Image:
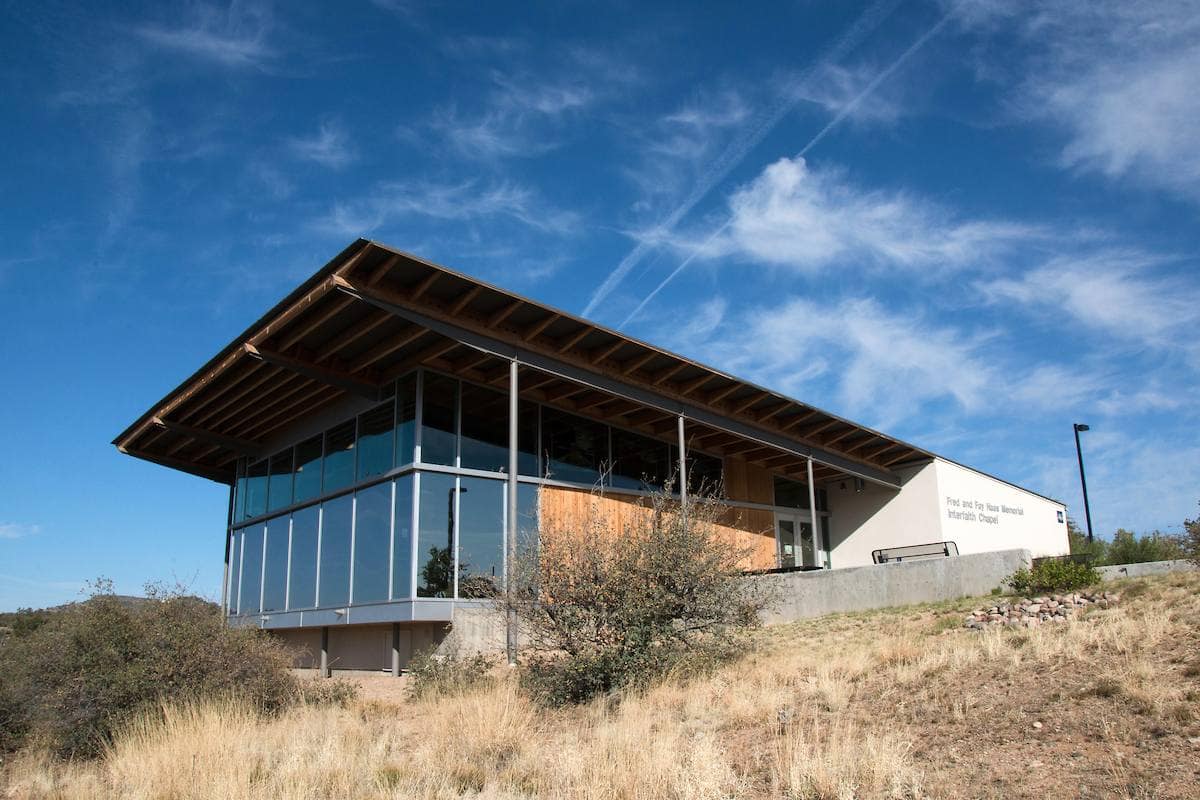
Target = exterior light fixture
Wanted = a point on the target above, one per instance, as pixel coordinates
(1079, 428)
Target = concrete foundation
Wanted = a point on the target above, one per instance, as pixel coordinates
(1115, 571)
(801, 595)
(362, 647)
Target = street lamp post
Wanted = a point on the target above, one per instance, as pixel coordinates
(1082, 479)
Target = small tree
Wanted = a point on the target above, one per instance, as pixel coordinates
(1191, 532)
(606, 605)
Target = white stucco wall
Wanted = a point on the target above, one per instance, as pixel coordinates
(980, 514)
(879, 517)
(942, 501)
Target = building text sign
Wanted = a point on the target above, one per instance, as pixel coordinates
(968, 509)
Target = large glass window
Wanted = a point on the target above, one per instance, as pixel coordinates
(402, 540)
(276, 567)
(302, 584)
(336, 517)
(339, 457)
(279, 489)
(372, 537)
(252, 559)
(406, 418)
(256, 490)
(639, 462)
(527, 438)
(437, 419)
(239, 493)
(480, 537)
(435, 536)
(527, 521)
(308, 469)
(794, 494)
(235, 573)
(375, 440)
(704, 472)
(576, 448)
(484, 429)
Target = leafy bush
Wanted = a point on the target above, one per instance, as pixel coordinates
(605, 607)
(432, 674)
(69, 683)
(1191, 528)
(1128, 548)
(1053, 576)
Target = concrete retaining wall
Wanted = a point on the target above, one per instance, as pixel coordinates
(1115, 571)
(801, 595)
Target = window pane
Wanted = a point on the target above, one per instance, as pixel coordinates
(239, 495)
(372, 537)
(527, 438)
(375, 435)
(335, 552)
(235, 564)
(406, 419)
(576, 448)
(279, 494)
(484, 429)
(434, 539)
(639, 462)
(251, 570)
(302, 586)
(480, 537)
(704, 472)
(437, 420)
(275, 575)
(339, 457)
(402, 540)
(527, 520)
(256, 490)
(308, 469)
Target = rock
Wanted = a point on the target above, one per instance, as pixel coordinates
(1033, 608)
(1102, 603)
(1037, 725)
(1113, 597)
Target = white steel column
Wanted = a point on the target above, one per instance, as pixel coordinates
(510, 533)
(683, 498)
(812, 507)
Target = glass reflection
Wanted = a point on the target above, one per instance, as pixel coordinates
(302, 585)
(484, 443)
(307, 484)
(576, 448)
(639, 462)
(336, 518)
(406, 418)
(274, 596)
(372, 538)
(402, 540)
(480, 537)
(235, 572)
(279, 484)
(435, 535)
(252, 559)
(256, 490)
(375, 441)
(339, 457)
(437, 419)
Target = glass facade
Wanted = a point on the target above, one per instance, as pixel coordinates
(794, 494)
(339, 518)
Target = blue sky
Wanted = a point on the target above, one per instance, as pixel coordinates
(969, 224)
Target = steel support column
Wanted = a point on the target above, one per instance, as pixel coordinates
(683, 498)
(816, 518)
(325, 652)
(395, 649)
(510, 537)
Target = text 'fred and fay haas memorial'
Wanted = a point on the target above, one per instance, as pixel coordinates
(391, 428)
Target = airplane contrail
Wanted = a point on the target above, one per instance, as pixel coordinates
(738, 149)
(838, 118)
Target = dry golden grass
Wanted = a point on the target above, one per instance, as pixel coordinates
(894, 704)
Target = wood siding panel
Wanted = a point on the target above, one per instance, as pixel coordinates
(560, 509)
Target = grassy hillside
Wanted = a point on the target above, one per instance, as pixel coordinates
(903, 703)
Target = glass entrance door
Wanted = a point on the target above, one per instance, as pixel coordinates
(794, 541)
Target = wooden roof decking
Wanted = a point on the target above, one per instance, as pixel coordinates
(373, 313)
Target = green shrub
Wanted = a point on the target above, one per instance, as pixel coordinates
(605, 608)
(1128, 548)
(1053, 576)
(432, 674)
(69, 683)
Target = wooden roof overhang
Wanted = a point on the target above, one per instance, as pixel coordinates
(373, 313)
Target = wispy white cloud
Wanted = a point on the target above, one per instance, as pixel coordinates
(806, 219)
(1116, 78)
(232, 37)
(838, 86)
(466, 200)
(329, 146)
(18, 530)
(1120, 293)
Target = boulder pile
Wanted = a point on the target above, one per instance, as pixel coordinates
(1028, 613)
